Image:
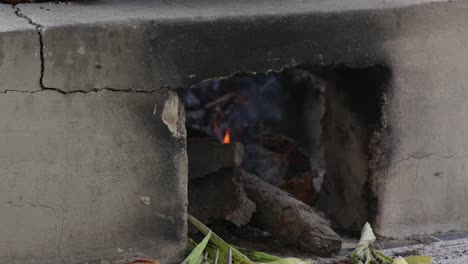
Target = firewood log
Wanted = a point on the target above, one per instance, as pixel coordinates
(207, 157)
(220, 196)
(278, 213)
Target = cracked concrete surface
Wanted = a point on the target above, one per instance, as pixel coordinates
(424, 186)
(9, 21)
(84, 86)
(453, 251)
(48, 207)
(19, 66)
(75, 56)
(38, 28)
(77, 160)
(114, 10)
(75, 167)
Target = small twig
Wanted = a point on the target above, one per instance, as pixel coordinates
(221, 99)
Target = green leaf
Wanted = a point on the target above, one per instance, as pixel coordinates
(382, 257)
(419, 260)
(365, 253)
(191, 245)
(239, 256)
(196, 256)
(258, 256)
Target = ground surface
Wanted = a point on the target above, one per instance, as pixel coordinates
(445, 249)
(450, 248)
(451, 251)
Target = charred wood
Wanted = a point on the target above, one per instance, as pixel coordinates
(207, 157)
(297, 223)
(220, 196)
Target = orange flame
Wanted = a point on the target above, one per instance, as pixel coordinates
(227, 137)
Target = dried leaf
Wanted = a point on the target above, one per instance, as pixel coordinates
(419, 260)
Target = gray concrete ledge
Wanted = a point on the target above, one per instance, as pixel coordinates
(50, 15)
(79, 42)
(129, 50)
(9, 21)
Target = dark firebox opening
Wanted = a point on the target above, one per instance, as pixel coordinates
(307, 130)
(352, 129)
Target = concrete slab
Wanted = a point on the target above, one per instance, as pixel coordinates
(20, 65)
(91, 176)
(443, 252)
(63, 143)
(9, 21)
(420, 44)
(164, 43)
(51, 15)
(423, 187)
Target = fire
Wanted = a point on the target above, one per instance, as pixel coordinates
(227, 137)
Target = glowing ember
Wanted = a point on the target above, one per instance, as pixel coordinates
(227, 137)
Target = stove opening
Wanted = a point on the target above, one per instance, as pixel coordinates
(285, 154)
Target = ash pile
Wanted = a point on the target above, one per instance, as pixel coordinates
(256, 159)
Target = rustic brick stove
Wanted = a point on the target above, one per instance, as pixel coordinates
(93, 154)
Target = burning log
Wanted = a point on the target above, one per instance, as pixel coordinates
(215, 191)
(207, 157)
(297, 223)
(220, 196)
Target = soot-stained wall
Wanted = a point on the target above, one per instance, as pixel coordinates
(353, 117)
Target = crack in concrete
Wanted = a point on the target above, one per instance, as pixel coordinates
(424, 155)
(11, 203)
(93, 90)
(416, 179)
(167, 217)
(169, 157)
(59, 246)
(39, 30)
(21, 205)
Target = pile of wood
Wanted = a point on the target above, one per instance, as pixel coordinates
(220, 190)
